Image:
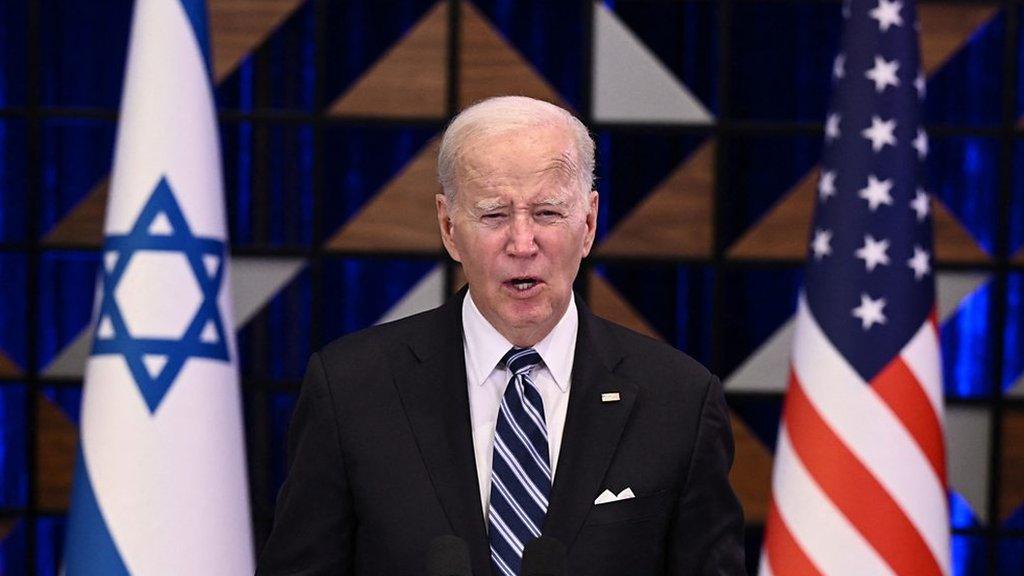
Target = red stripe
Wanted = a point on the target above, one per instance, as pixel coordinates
(898, 387)
(854, 489)
(784, 554)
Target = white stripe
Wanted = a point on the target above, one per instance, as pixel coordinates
(519, 473)
(505, 569)
(531, 410)
(533, 528)
(923, 356)
(824, 534)
(521, 434)
(507, 533)
(885, 447)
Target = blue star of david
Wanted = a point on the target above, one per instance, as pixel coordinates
(204, 337)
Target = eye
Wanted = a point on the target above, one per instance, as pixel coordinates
(492, 216)
(549, 214)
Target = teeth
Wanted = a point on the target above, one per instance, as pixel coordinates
(524, 285)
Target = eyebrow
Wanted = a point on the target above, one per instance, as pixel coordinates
(488, 204)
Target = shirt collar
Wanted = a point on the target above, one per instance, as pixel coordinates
(485, 346)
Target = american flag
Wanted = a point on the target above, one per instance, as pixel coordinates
(859, 485)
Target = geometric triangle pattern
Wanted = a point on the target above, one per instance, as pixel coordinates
(57, 441)
(237, 28)
(8, 369)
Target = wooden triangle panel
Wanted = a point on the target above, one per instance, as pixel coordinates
(676, 220)
(409, 81)
(237, 27)
(606, 302)
(1018, 258)
(83, 224)
(7, 525)
(1011, 497)
(55, 456)
(946, 28)
(783, 233)
(8, 369)
(401, 217)
(751, 474)
(489, 66)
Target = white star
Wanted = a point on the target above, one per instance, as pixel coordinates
(921, 144)
(832, 127)
(827, 185)
(880, 133)
(920, 85)
(870, 311)
(888, 14)
(920, 204)
(839, 66)
(883, 73)
(877, 192)
(822, 243)
(873, 252)
(919, 263)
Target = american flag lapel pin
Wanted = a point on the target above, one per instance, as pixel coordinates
(610, 397)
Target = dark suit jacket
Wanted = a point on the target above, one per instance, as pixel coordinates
(382, 458)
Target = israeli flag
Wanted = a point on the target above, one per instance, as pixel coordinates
(160, 484)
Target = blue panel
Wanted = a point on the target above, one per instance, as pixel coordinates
(970, 555)
(783, 54)
(268, 179)
(358, 162)
(761, 171)
(50, 532)
(281, 407)
(977, 65)
(676, 301)
(1011, 557)
(13, 445)
(67, 286)
(548, 34)
(762, 414)
(1016, 240)
(13, 60)
(684, 36)
(13, 313)
(358, 33)
(14, 552)
(967, 344)
(759, 301)
(280, 72)
(77, 156)
(961, 516)
(275, 344)
(68, 398)
(13, 180)
(1013, 334)
(964, 173)
(83, 47)
(358, 291)
(630, 165)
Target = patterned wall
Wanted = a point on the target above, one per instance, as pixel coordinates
(708, 121)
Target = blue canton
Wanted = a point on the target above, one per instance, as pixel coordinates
(204, 336)
(869, 275)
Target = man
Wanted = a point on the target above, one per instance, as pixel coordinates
(511, 411)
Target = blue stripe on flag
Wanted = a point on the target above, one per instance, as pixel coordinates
(196, 10)
(89, 547)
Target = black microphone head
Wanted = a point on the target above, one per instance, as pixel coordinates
(544, 556)
(448, 556)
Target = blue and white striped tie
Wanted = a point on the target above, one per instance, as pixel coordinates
(520, 468)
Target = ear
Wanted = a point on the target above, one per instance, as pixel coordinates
(444, 221)
(588, 239)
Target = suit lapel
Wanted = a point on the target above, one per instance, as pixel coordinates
(592, 429)
(436, 402)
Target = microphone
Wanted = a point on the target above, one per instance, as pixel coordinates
(448, 556)
(544, 556)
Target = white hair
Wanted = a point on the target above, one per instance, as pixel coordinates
(504, 114)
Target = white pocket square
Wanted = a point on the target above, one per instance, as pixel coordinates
(607, 496)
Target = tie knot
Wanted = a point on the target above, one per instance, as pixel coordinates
(520, 360)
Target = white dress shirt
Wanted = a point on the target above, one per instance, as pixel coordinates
(484, 348)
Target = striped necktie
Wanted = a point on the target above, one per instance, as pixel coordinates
(520, 468)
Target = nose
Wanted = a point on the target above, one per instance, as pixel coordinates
(521, 239)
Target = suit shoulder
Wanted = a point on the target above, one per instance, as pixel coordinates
(656, 359)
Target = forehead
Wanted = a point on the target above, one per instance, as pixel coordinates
(517, 157)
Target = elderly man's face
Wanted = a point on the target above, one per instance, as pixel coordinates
(520, 227)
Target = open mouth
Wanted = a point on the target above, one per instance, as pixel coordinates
(522, 284)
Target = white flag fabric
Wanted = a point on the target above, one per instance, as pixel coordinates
(160, 483)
